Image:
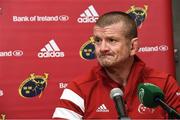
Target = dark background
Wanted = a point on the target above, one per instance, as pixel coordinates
(176, 28)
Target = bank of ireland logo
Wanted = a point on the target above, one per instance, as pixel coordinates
(87, 51)
(1, 93)
(88, 16)
(163, 48)
(138, 14)
(15, 53)
(50, 50)
(33, 86)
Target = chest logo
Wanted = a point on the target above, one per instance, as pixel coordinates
(145, 110)
(102, 108)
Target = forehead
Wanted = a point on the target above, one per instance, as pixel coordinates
(113, 29)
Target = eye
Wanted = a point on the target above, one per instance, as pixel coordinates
(97, 40)
(111, 40)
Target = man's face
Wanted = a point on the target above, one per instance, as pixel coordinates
(111, 46)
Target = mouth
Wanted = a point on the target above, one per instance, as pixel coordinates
(105, 56)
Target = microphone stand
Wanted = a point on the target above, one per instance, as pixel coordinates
(172, 114)
(120, 107)
(124, 118)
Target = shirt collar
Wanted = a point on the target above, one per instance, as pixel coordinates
(133, 79)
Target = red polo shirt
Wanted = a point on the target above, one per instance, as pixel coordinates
(87, 97)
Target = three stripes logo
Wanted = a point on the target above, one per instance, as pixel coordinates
(88, 16)
(50, 50)
(102, 108)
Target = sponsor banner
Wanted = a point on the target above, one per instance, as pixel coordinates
(145, 110)
(55, 37)
(50, 50)
(61, 18)
(11, 53)
(63, 85)
(1, 93)
(89, 15)
(33, 86)
(157, 48)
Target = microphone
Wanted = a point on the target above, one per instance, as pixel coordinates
(116, 94)
(151, 96)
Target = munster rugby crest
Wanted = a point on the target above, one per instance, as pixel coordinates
(138, 14)
(33, 86)
(87, 51)
(3, 117)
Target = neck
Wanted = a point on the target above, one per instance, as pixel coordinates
(119, 73)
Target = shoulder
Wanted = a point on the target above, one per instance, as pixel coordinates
(82, 85)
(148, 72)
(154, 73)
(159, 78)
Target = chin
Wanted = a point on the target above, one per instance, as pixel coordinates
(106, 64)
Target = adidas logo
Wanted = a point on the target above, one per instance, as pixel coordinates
(89, 16)
(50, 50)
(102, 108)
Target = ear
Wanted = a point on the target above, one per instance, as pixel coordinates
(134, 46)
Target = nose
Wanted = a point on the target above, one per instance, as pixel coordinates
(104, 46)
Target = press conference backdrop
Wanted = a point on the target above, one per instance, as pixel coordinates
(45, 44)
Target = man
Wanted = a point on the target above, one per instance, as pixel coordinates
(116, 45)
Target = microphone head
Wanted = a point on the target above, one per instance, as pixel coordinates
(147, 94)
(116, 92)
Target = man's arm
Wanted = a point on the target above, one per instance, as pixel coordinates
(71, 104)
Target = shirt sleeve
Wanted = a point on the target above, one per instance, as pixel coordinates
(172, 93)
(71, 104)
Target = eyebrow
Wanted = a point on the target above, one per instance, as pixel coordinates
(108, 37)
